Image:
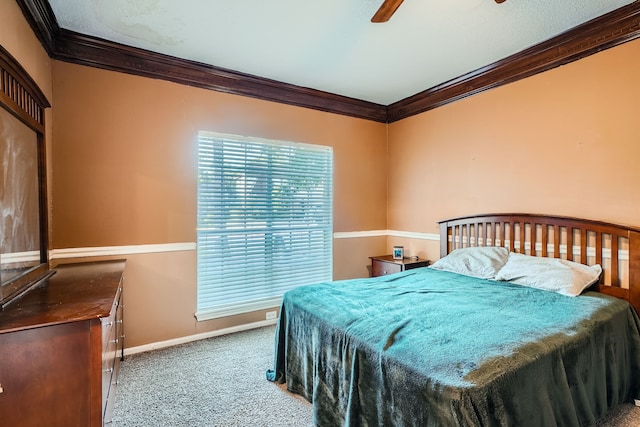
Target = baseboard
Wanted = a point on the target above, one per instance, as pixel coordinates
(183, 340)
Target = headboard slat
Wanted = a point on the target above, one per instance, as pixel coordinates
(534, 238)
(570, 243)
(598, 244)
(634, 273)
(494, 231)
(584, 236)
(615, 281)
(484, 232)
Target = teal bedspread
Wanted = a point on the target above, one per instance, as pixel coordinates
(432, 348)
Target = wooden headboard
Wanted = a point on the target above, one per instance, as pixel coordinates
(616, 248)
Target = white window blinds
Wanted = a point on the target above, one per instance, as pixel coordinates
(265, 211)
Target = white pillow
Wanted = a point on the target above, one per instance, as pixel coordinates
(477, 261)
(551, 274)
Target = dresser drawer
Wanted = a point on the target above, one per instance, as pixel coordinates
(381, 268)
(386, 264)
(108, 330)
(111, 393)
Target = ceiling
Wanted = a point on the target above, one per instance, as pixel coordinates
(331, 45)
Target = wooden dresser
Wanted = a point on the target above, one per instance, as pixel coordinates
(60, 348)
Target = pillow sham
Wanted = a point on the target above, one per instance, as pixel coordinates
(550, 274)
(477, 261)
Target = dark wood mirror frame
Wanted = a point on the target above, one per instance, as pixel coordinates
(21, 96)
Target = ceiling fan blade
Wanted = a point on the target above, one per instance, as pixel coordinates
(387, 9)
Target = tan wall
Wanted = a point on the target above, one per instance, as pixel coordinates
(126, 156)
(125, 168)
(563, 142)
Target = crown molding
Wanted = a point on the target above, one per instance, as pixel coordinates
(617, 27)
(612, 29)
(94, 52)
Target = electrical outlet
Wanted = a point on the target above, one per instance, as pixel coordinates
(272, 315)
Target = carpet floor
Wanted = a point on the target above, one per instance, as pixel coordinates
(221, 382)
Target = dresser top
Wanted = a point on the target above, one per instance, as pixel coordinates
(76, 292)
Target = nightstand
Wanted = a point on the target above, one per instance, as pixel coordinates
(385, 264)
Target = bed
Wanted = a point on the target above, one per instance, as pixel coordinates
(502, 343)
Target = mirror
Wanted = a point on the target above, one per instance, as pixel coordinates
(23, 214)
(19, 201)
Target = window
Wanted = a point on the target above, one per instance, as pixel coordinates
(265, 211)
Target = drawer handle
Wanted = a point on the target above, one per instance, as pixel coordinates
(108, 371)
(120, 321)
(1, 389)
(109, 323)
(115, 341)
